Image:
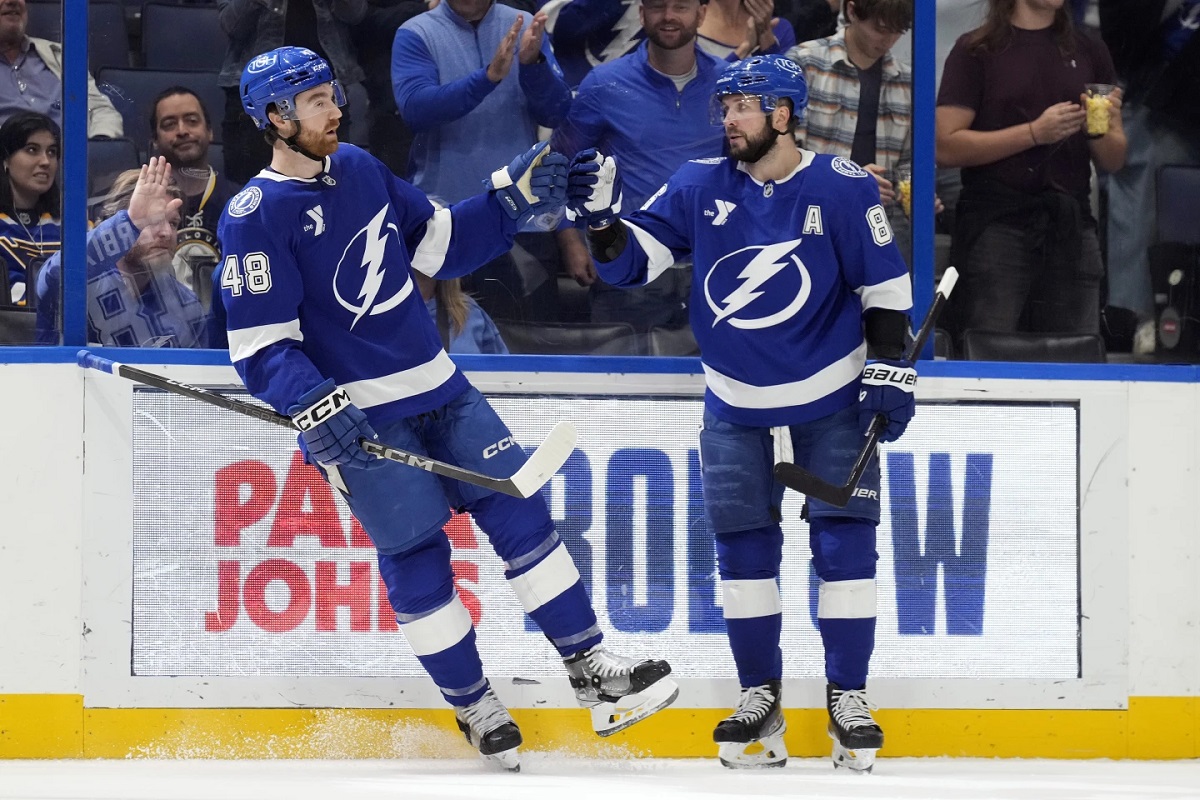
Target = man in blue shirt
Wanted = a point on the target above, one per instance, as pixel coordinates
(651, 110)
(474, 79)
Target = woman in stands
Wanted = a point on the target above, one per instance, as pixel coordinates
(30, 219)
(462, 324)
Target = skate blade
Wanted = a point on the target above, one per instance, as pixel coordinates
(766, 753)
(505, 759)
(860, 761)
(609, 718)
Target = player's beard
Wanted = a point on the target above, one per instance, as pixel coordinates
(755, 147)
(316, 142)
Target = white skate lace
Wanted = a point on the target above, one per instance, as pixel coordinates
(485, 714)
(852, 709)
(754, 703)
(607, 665)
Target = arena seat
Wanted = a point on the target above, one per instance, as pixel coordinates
(1064, 348)
(672, 342)
(163, 25)
(1176, 190)
(582, 338)
(108, 158)
(17, 325)
(108, 36)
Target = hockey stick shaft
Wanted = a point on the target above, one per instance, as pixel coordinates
(803, 481)
(539, 468)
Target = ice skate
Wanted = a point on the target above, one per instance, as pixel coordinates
(752, 736)
(856, 736)
(619, 691)
(490, 728)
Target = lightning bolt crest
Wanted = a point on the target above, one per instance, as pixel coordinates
(761, 269)
(372, 262)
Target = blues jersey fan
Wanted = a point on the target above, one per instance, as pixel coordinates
(793, 259)
(326, 324)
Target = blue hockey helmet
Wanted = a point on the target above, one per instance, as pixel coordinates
(770, 77)
(278, 76)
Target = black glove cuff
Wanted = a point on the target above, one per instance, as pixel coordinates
(886, 332)
(607, 244)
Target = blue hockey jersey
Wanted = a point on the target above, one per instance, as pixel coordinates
(316, 283)
(782, 275)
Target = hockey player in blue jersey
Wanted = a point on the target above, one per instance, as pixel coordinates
(323, 313)
(795, 274)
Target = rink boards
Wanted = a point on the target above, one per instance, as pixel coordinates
(230, 605)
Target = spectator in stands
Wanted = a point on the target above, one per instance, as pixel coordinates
(33, 78)
(1010, 113)
(181, 133)
(31, 146)
(734, 29)
(133, 297)
(860, 99)
(462, 324)
(1156, 49)
(257, 26)
(651, 110)
(474, 80)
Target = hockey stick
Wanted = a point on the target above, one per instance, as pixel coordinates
(803, 481)
(543, 463)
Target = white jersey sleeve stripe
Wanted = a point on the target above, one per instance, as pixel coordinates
(245, 342)
(431, 252)
(403, 384)
(784, 395)
(894, 294)
(658, 253)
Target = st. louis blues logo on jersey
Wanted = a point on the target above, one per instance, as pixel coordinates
(758, 287)
(361, 282)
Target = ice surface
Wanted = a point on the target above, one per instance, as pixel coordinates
(547, 776)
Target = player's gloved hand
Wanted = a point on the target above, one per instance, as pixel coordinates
(331, 426)
(534, 183)
(887, 388)
(594, 188)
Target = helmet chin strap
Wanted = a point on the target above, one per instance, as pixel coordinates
(293, 144)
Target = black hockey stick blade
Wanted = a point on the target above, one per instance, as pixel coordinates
(540, 467)
(801, 480)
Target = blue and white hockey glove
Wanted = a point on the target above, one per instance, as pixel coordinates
(594, 188)
(887, 388)
(331, 426)
(534, 183)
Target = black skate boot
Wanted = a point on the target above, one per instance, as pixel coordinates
(856, 736)
(490, 728)
(752, 736)
(619, 691)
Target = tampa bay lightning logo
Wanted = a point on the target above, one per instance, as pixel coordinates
(758, 287)
(245, 201)
(358, 281)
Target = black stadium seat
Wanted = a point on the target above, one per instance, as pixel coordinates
(108, 37)
(108, 158)
(133, 90)
(166, 25)
(1060, 348)
(17, 325)
(584, 338)
(1177, 189)
(672, 342)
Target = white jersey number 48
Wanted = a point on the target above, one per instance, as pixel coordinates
(256, 275)
(881, 230)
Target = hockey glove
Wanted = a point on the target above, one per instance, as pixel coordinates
(594, 188)
(887, 389)
(331, 426)
(534, 183)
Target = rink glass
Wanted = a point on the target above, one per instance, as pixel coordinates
(1098, 106)
(904, 190)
